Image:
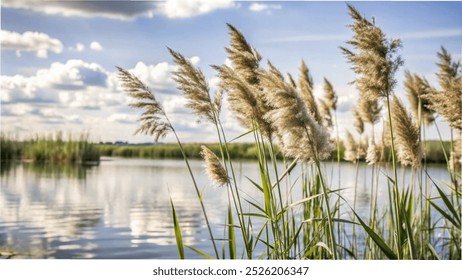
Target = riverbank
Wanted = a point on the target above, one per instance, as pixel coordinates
(50, 149)
(56, 150)
(433, 151)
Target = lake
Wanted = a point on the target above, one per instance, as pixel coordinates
(121, 208)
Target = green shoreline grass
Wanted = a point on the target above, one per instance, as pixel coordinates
(50, 150)
(247, 151)
(81, 150)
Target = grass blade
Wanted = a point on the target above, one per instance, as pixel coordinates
(448, 204)
(255, 184)
(376, 238)
(178, 237)
(242, 135)
(205, 255)
(301, 201)
(231, 234)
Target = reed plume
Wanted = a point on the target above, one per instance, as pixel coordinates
(241, 81)
(327, 104)
(353, 151)
(406, 135)
(449, 70)
(455, 160)
(416, 88)
(218, 101)
(330, 95)
(375, 60)
(191, 81)
(302, 136)
(373, 153)
(153, 119)
(305, 86)
(213, 167)
(358, 123)
(244, 58)
(291, 80)
(448, 101)
(241, 98)
(324, 112)
(368, 110)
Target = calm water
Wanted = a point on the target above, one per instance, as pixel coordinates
(121, 208)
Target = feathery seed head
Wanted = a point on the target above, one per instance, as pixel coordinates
(242, 83)
(324, 112)
(245, 59)
(291, 80)
(299, 134)
(448, 101)
(455, 161)
(353, 151)
(330, 95)
(359, 124)
(153, 120)
(406, 135)
(305, 87)
(417, 88)
(191, 81)
(213, 167)
(373, 153)
(448, 69)
(368, 110)
(375, 60)
(244, 99)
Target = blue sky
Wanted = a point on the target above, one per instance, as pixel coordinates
(58, 58)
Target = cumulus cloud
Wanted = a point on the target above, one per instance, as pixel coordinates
(37, 42)
(47, 83)
(79, 47)
(115, 9)
(96, 46)
(122, 118)
(83, 85)
(18, 109)
(77, 93)
(259, 7)
(190, 8)
(53, 116)
(121, 9)
(154, 75)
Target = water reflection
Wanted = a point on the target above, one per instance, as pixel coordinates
(121, 208)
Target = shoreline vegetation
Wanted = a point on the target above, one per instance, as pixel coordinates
(81, 151)
(50, 149)
(238, 151)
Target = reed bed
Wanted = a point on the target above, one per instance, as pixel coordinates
(50, 149)
(243, 151)
(288, 123)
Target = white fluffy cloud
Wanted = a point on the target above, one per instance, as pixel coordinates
(259, 7)
(96, 46)
(80, 95)
(37, 42)
(122, 9)
(190, 8)
(47, 83)
(158, 75)
(113, 9)
(79, 47)
(122, 118)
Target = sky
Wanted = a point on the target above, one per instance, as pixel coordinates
(59, 58)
